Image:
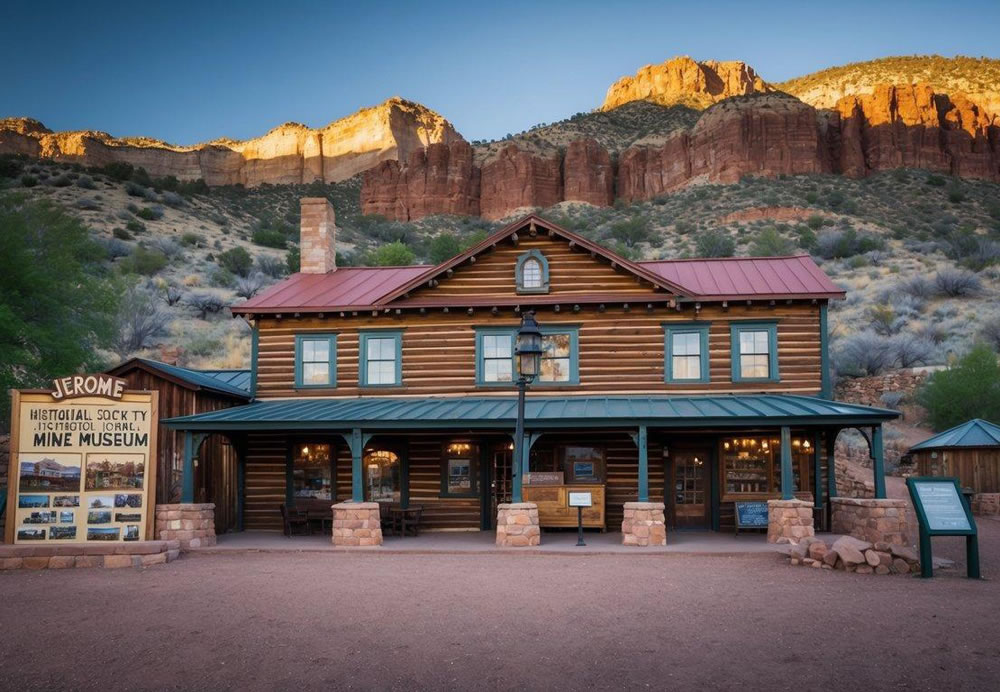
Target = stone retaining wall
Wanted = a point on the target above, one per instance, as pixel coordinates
(986, 504)
(871, 520)
(644, 524)
(110, 555)
(357, 524)
(517, 525)
(191, 524)
(789, 521)
(869, 390)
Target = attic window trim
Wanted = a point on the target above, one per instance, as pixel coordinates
(543, 264)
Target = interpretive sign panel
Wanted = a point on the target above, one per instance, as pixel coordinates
(82, 460)
(751, 515)
(580, 499)
(941, 511)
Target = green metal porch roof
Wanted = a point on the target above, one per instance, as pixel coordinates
(974, 433)
(385, 413)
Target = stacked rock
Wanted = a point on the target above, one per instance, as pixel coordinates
(854, 555)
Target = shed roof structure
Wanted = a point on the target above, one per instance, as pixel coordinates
(974, 433)
(234, 383)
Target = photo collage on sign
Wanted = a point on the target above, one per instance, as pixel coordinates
(62, 499)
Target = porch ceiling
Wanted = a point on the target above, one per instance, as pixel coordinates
(542, 412)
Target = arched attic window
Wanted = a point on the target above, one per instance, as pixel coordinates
(532, 272)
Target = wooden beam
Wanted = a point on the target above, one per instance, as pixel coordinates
(514, 239)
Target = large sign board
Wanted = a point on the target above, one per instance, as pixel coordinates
(750, 515)
(941, 511)
(82, 463)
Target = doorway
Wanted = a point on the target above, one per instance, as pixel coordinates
(499, 488)
(690, 487)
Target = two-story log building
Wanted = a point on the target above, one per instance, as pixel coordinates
(696, 382)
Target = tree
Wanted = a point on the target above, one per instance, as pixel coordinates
(970, 389)
(139, 320)
(236, 260)
(770, 243)
(715, 243)
(631, 231)
(293, 259)
(444, 246)
(56, 308)
(392, 255)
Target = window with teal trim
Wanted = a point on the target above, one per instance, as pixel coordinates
(315, 360)
(495, 362)
(686, 353)
(381, 359)
(755, 352)
(559, 356)
(494, 356)
(532, 272)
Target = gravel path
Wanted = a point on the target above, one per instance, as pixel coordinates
(347, 621)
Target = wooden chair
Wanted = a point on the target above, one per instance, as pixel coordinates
(389, 519)
(292, 517)
(410, 521)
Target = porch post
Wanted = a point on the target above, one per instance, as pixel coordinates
(817, 473)
(878, 462)
(643, 464)
(187, 476)
(831, 465)
(787, 479)
(357, 473)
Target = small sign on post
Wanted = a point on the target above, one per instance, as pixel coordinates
(580, 500)
(941, 511)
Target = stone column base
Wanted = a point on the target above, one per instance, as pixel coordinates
(875, 521)
(644, 524)
(986, 504)
(789, 521)
(517, 525)
(191, 524)
(357, 524)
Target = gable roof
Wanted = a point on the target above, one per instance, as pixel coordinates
(235, 383)
(735, 278)
(974, 433)
(373, 288)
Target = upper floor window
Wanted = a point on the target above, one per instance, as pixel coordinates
(495, 362)
(532, 272)
(755, 352)
(316, 360)
(381, 359)
(686, 352)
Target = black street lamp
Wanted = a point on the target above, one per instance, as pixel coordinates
(528, 351)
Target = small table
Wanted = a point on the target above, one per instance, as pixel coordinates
(404, 517)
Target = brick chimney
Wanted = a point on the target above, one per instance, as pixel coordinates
(317, 236)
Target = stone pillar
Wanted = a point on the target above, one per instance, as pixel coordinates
(317, 236)
(357, 524)
(874, 520)
(789, 521)
(190, 523)
(644, 524)
(517, 525)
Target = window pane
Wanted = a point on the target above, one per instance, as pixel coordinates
(387, 372)
(504, 371)
(381, 476)
(555, 370)
(754, 366)
(760, 342)
(490, 370)
(315, 373)
(311, 475)
(746, 342)
(686, 367)
(531, 274)
(687, 344)
(555, 345)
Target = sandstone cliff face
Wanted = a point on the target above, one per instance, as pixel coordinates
(684, 81)
(517, 179)
(588, 175)
(290, 153)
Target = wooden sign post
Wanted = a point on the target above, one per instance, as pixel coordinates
(941, 511)
(580, 500)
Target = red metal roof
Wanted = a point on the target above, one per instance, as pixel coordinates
(736, 278)
(347, 288)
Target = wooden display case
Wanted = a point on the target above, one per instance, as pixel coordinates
(553, 505)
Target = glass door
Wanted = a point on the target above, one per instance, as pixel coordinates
(689, 480)
(500, 486)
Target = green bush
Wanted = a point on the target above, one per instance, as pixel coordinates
(970, 389)
(631, 231)
(144, 261)
(236, 261)
(29, 180)
(293, 259)
(150, 213)
(392, 255)
(122, 234)
(770, 243)
(715, 243)
(61, 181)
(190, 238)
(268, 237)
(443, 247)
(135, 226)
(815, 222)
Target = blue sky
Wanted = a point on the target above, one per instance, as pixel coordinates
(189, 72)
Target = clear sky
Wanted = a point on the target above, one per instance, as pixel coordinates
(187, 72)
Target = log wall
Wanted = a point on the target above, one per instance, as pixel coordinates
(978, 469)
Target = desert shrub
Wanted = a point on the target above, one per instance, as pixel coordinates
(815, 222)
(268, 237)
(248, 286)
(172, 199)
(122, 234)
(190, 238)
(395, 254)
(865, 353)
(970, 389)
(145, 261)
(60, 181)
(840, 244)
(87, 204)
(443, 247)
(119, 171)
(150, 213)
(892, 399)
(909, 352)
(936, 180)
(222, 278)
(236, 260)
(770, 243)
(139, 321)
(135, 226)
(191, 280)
(86, 182)
(956, 196)
(957, 283)
(168, 246)
(206, 304)
(115, 248)
(918, 287)
(172, 295)
(271, 266)
(714, 243)
(293, 259)
(29, 180)
(630, 232)
(135, 190)
(884, 320)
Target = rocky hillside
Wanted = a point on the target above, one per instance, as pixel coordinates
(978, 79)
(288, 154)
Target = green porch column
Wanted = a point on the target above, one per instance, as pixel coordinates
(357, 473)
(878, 462)
(642, 443)
(831, 465)
(787, 479)
(817, 474)
(187, 477)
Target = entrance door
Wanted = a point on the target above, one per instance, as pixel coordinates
(690, 486)
(500, 486)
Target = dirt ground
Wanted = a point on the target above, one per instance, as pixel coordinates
(262, 621)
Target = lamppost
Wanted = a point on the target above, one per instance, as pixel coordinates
(528, 350)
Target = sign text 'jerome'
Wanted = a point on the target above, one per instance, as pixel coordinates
(88, 385)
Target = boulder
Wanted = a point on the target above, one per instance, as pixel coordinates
(900, 566)
(855, 543)
(818, 550)
(905, 552)
(831, 558)
(865, 569)
(872, 558)
(848, 553)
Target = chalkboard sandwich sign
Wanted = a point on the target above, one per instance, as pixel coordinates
(750, 515)
(941, 511)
